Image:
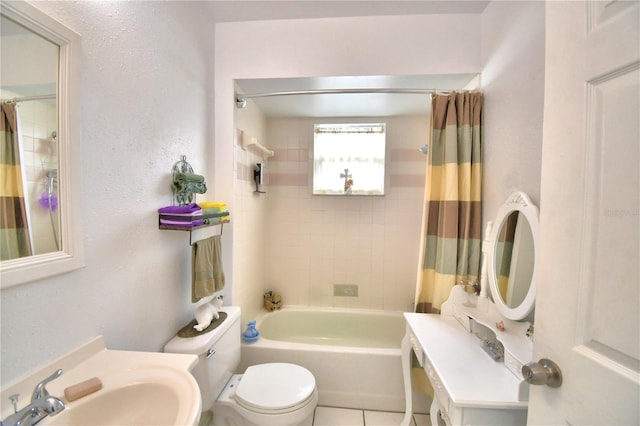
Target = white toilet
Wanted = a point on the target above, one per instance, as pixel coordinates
(266, 394)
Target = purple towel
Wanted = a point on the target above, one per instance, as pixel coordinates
(182, 224)
(192, 208)
(181, 216)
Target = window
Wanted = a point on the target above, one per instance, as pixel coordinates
(349, 159)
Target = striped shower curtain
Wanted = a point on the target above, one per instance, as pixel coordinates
(504, 249)
(14, 233)
(452, 218)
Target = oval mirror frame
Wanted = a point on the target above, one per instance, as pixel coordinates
(71, 256)
(516, 202)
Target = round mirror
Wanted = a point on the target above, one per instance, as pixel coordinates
(511, 257)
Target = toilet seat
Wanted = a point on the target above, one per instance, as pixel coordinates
(275, 388)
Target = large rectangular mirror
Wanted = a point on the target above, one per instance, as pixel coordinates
(40, 233)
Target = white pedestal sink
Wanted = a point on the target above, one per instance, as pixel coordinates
(136, 397)
(138, 388)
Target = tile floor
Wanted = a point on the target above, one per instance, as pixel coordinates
(330, 416)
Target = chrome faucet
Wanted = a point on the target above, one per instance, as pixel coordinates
(42, 405)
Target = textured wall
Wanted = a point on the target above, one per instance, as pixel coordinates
(146, 70)
(513, 84)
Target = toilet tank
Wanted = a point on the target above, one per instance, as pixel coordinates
(218, 355)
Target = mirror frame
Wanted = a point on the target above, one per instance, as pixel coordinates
(71, 257)
(517, 202)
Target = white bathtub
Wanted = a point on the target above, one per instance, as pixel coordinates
(353, 354)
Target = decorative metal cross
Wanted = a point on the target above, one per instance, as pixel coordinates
(348, 182)
(346, 176)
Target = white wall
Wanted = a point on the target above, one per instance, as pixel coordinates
(513, 85)
(318, 241)
(300, 245)
(249, 215)
(387, 45)
(146, 74)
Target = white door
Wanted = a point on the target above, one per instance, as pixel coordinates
(588, 299)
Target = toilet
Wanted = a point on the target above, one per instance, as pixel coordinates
(265, 394)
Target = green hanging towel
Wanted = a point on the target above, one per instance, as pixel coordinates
(206, 274)
(189, 183)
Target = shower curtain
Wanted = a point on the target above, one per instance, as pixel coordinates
(504, 251)
(452, 216)
(14, 233)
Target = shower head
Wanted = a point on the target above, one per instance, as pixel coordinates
(54, 136)
(424, 149)
(240, 102)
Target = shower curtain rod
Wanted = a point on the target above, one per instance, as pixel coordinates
(28, 98)
(240, 98)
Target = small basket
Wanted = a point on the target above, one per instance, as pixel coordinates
(272, 301)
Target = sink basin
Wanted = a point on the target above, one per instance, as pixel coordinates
(154, 395)
(138, 388)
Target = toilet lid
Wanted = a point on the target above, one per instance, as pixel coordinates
(275, 386)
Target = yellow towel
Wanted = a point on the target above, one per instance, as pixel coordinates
(213, 205)
(207, 275)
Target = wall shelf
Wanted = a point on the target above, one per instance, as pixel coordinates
(246, 142)
(193, 228)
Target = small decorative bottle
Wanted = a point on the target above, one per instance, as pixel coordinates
(251, 334)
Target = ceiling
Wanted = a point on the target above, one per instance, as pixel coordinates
(251, 10)
(344, 105)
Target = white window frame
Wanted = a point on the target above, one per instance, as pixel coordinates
(349, 159)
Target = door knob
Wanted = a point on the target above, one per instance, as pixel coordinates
(543, 372)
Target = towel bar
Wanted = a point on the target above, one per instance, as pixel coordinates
(190, 230)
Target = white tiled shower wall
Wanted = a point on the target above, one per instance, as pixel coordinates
(309, 243)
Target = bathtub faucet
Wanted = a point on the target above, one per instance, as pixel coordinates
(42, 405)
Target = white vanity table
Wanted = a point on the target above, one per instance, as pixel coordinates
(470, 387)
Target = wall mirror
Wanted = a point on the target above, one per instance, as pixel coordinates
(512, 255)
(40, 223)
